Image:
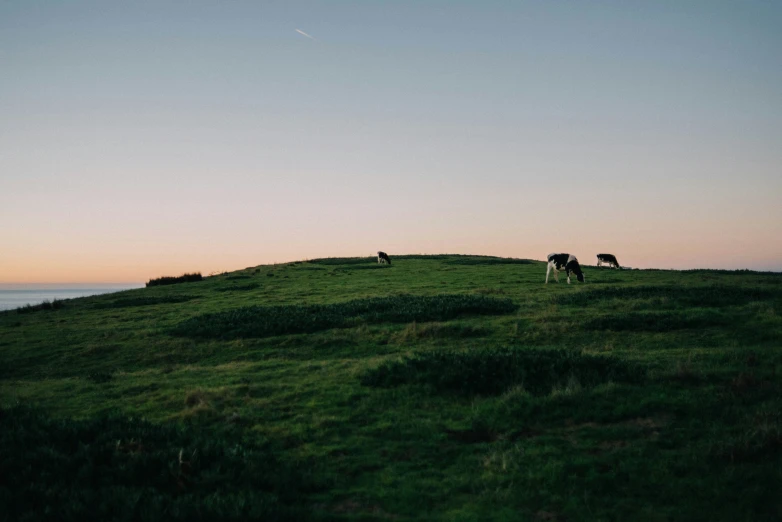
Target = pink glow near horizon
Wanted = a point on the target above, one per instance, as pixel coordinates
(136, 142)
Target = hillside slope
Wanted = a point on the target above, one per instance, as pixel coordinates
(437, 388)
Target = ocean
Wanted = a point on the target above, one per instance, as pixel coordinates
(14, 295)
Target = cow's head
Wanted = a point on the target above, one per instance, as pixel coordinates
(574, 268)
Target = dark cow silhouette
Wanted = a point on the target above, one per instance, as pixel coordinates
(608, 259)
(382, 257)
(564, 263)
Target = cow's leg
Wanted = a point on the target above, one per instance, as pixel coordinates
(599, 263)
(548, 270)
(568, 277)
(556, 275)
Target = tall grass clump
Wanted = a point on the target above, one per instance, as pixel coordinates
(128, 469)
(168, 280)
(492, 372)
(267, 321)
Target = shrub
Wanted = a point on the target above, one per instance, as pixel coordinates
(168, 280)
(491, 372)
(266, 321)
(54, 304)
(127, 469)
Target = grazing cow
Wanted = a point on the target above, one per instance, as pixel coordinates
(608, 259)
(382, 257)
(564, 262)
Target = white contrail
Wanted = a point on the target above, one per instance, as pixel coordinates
(305, 34)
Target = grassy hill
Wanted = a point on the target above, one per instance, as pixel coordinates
(437, 388)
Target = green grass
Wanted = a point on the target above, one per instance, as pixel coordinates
(491, 372)
(144, 301)
(267, 321)
(109, 468)
(439, 388)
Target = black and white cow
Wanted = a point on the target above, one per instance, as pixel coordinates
(564, 263)
(382, 257)
(608, 259)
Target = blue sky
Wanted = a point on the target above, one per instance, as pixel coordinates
(153, 136)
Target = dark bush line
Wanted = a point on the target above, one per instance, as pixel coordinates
(127, 469)
(168, 280)
(343, 260)
(266, 321)
(467, 259)
(491, 372)
(129, 302)
(738, 272)
(54, 304)
(657, 321)
(487, 260)
(704, 296)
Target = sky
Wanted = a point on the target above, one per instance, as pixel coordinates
(149, 138)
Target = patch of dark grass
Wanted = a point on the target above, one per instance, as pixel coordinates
(239, 288)
(99, 377)
(414, 331)
(54, 304)
(267, 321)
(657, 321)
(375, 266)
(115, 468)
(169, 280)
(237, 276)
(491, 372)
(759, 437)
(129, 302)
(702, 297)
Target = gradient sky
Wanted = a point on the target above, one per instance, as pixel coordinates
(140, 139)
